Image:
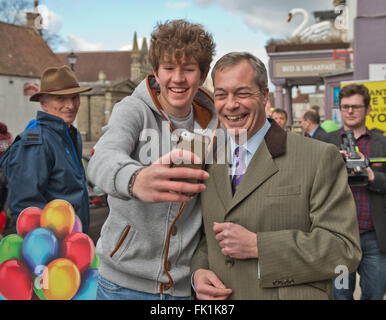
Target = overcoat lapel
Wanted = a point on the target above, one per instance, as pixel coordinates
(222, 176)
(261, 168)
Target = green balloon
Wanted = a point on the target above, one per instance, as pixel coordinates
(329, 126)
(38, 289)
(95, 262)
(10, 247)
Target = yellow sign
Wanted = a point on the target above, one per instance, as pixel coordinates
(377, 116)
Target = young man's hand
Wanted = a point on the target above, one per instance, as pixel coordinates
(155, 183)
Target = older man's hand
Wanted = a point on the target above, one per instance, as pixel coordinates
(236, 241)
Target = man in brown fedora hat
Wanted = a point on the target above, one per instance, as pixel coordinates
(44, 162)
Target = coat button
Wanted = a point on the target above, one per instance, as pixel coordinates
(229, 261)
(174, 231)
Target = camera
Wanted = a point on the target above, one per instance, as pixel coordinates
(357, 176)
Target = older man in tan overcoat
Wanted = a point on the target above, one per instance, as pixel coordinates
(280, 221)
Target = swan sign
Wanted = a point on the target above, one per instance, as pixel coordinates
(377, 116)
(317, 31)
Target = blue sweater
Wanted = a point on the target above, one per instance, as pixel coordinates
(44, 164)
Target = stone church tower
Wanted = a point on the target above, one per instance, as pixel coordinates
(140, 66)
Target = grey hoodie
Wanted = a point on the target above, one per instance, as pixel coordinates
(134, 237)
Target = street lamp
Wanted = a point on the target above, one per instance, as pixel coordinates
(72, 58)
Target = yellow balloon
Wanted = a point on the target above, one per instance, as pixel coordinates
(61, 280)
(58, 216)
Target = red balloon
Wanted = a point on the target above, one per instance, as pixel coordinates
(80, 249)
(28, 220)
(15, 280)
(3, 221)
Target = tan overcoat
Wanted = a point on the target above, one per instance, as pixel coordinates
(295, 197)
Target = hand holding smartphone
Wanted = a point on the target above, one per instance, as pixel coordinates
(196, 143)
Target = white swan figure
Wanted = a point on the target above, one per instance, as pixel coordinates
(303, 25)
(315, 32)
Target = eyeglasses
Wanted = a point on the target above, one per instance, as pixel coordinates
(354, 107)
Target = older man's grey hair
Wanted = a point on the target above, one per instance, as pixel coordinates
(233, 58)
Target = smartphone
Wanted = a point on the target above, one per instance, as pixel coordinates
(196, 143)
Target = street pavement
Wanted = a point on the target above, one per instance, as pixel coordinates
(98, 216)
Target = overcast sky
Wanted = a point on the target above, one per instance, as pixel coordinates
(266, 16)
(236, 25)
(109, 25)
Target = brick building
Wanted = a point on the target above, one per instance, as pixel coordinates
(113, 75)
(23, 57)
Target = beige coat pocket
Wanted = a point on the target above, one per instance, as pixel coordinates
(309, 291)
(285, 191)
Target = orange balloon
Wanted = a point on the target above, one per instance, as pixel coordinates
(58, 216)
(61, 280)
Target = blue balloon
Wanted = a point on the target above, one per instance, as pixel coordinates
(88, 287)
(40, 247)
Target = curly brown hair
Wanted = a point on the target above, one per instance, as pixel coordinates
(178, 39)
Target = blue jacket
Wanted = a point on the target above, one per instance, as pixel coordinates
(42, 165)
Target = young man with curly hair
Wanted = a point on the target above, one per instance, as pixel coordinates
(153, 227)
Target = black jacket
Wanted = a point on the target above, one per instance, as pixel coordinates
(320, 134)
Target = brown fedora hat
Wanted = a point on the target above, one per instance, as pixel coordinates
(58, 81)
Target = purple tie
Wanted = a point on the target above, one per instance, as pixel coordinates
(240, 153)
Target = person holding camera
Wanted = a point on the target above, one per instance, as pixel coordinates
(354, 101)
(153, 227)
(277, 225)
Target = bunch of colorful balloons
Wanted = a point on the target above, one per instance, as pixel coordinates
(49, 258)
